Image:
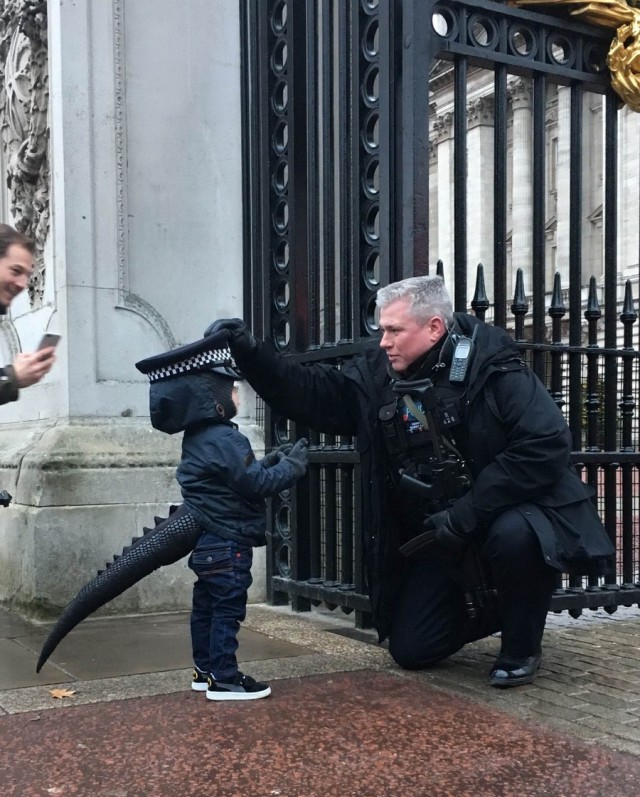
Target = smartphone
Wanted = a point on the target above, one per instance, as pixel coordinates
(48, 339)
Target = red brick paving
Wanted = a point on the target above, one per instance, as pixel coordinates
(359, 734)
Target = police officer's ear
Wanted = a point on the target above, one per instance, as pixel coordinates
(436, 327)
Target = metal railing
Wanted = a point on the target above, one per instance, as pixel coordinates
(381, 135)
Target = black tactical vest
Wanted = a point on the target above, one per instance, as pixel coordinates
(406, 440)
(426, 469)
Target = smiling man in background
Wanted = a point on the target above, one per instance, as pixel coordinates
(16, 267)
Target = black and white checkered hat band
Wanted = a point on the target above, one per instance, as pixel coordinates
(199, 362)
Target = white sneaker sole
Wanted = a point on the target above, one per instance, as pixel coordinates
(238, 695)
(199, 687)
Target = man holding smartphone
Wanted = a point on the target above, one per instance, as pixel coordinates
(16, 267)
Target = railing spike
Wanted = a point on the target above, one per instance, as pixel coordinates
(628, 314)
(557, 308)
(520, 305)
(480, 302)
(593, 308)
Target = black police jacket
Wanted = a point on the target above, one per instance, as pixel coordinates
(517, 441)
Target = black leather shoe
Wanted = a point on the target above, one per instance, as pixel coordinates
(508, 672)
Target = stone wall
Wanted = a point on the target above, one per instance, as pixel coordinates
(143, 250)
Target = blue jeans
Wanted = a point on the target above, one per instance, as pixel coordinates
(223, 568)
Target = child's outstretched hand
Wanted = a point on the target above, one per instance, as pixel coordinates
(273, 457)
(298, 457)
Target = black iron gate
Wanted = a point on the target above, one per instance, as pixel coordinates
(386, 138)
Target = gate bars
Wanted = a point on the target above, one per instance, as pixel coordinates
(386, 138)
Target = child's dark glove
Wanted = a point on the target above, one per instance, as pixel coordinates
(298, 457)
(273, 457)
(241, 341)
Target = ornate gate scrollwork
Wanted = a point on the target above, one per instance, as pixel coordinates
(624, 18)
(24, 101)
(386, 137)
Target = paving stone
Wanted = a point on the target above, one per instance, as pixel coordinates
(595, 697)
(339, 735)
(588, 686)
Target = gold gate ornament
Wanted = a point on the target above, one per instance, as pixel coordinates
(623, 58)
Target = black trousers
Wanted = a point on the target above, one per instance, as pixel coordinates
(431, 621)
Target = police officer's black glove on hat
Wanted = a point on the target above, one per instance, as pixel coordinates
(273, 457)
(241, 341)
(298, 457)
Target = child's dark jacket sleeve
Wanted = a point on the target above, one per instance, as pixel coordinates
(232, 457)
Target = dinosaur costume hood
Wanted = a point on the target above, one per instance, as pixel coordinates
(182, 402)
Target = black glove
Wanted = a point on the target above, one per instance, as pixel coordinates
(446, 533)
(273, 457)
(298, 457)
(241, 341)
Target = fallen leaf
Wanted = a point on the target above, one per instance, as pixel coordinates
(60, 693)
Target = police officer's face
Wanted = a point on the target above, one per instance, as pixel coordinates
(404, 339)
(16, 267)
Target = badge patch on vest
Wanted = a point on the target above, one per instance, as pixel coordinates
(411, 423)
(450, 414)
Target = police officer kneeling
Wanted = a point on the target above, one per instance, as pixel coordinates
(465, 462)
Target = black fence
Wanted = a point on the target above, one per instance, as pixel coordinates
(384, 138)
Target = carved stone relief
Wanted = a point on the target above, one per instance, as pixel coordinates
(480, 111)
(24, 124)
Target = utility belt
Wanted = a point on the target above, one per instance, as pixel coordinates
(477, 585)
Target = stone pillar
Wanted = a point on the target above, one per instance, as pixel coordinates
(559, 123)
(593, 188)
(522, 175)
(480, 152)
(628, 197)
(143, 251)
(434, 241)
(443, 130)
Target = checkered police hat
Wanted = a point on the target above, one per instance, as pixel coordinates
(208, 354)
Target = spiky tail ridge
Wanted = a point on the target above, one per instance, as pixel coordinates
(170, 540)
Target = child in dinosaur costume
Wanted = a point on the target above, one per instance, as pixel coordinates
(221, 519)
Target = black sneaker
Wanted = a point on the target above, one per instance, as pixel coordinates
(198, 680)
(243, 687)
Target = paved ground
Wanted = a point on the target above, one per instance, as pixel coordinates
(343, 720)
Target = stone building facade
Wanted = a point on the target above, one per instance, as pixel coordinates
(480, 154)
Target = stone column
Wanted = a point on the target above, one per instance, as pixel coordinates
(522, 176)
(434, 241)
(144, 250)
(443, 130)
(480, 152)
(559, 126)
(628, 196)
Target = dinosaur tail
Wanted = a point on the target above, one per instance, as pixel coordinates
(170, 540)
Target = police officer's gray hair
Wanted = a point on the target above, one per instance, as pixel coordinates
(427, 296)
